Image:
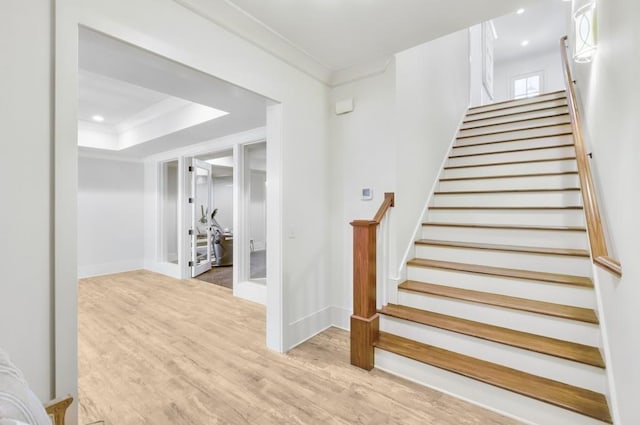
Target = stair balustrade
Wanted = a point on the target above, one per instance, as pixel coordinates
(365, 320)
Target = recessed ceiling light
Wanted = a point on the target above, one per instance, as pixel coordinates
(97, 118)
(520, 11)
(524, 43)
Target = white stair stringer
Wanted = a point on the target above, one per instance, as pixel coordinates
(505, 402)
(548, 366)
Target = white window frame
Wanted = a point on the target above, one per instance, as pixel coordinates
(512, 82)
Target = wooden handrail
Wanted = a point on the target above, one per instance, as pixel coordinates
(365, 320)
(597, 241)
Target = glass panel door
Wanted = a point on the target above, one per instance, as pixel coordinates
(200, 217)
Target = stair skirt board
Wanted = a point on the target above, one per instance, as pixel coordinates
(523, 321)
(507, 117)
(522, 408)
(544, 365)
(548, 238)
(535, 290)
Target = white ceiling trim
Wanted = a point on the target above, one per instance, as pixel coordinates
(165, 117)
(237, 21)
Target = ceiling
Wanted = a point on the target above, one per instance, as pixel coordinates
(542, 25)
(327, 37)
(141, 91)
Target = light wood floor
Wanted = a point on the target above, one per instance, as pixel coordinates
(155, 350)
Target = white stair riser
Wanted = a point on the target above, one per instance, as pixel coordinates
(513, 156)
(538, 324)
(565, 264)
(541, 112)
(556, 166)
(530, 102)
(510, 135)
(553, 103)
(521, 288)
(505, 402)
(518, 144)
(535, 182)
(569, 218)
(550, 367)
(546, 238)
(519, 199)
(513, 126)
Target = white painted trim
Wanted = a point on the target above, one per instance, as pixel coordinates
(214, 145)
(110, 268)
(309, 326)
(240, 23)
(360, 72)
(341, 318)
(402, 267)
(612, 395)
(251, 290)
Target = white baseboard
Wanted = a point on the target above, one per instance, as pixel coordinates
(109, 268)
(309, 326)
(341, 318)
(251, 291)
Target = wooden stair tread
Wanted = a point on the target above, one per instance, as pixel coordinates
(566, 145)
(503, 272)
(509, 227)
(509, 114)
(528, 161)
(540, 344)
(515, 104)
(444, 207)
(559, 114)
(479, 192)
(517, 139)
(540, 307)
(579, 400)
(507, 248)
(509, 176)
(535, 127)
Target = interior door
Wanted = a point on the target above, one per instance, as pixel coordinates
(200, 230)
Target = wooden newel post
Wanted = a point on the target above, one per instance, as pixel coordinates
(364, 321)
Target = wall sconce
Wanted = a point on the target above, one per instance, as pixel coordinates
(584, 21)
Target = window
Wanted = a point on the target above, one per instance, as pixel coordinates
(527, 86)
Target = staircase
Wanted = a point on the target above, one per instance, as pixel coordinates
(499, 305)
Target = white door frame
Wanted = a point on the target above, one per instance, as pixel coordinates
(68, 18)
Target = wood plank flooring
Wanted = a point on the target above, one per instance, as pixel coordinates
(155, 350)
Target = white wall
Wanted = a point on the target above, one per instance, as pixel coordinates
(432, 96)
(258, 209)
(110, 216)
(364, 156)
(26, 187)
(549, 62)
(608, 89)
(223, 201)
(394, 141)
